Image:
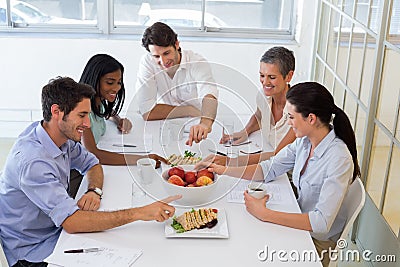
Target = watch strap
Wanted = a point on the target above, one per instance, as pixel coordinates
(95, 191)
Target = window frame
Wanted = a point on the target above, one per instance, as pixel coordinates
(105, 27)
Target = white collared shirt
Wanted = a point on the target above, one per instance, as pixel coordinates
(323, 185)
(191, 82)
(272, 132)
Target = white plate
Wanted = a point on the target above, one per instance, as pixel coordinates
(220, 230)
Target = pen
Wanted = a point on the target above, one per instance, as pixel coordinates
(216, 152)
(83, 250)
(124, 145)
(244, 143)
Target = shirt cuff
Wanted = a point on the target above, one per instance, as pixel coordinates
(265, 166)
(317, 222)
(63, 210)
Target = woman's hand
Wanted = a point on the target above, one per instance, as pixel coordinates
(237, 138)
(255, 206)
(217, 159)
(124, 125)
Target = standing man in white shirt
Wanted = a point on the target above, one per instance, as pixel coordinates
(174, 83)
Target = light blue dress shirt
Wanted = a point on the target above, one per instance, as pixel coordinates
(323, 185)
(33, 193)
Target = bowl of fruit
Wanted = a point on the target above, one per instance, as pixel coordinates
(195, 186)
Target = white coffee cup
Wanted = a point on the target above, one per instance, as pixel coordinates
(257, 190)
(146, 170)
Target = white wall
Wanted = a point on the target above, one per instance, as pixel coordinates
(27, 63)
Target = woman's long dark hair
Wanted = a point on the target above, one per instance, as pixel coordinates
(98, 66)
(312, 97)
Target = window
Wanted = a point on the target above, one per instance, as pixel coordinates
(255, 17)
(272, 14)
(46, 13)
(368, 14)
(360, 70)
(228, 18)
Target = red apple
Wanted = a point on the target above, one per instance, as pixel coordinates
(176, 180)
(176, 171)
(190, 177)
(205, 172)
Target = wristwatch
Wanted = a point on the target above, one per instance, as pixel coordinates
(97, 190)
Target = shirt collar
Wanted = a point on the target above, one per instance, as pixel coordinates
(184, 60)
(324, 144)
(284, 118)
(48, 143)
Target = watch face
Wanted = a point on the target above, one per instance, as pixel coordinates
(98, 191)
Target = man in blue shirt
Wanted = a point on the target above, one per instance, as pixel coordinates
(34, 201)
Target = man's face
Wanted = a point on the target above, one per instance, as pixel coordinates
(73, 124)
(166, 57)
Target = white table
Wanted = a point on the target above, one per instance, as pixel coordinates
(247, 235)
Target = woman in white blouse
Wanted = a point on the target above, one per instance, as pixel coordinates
(276, 71)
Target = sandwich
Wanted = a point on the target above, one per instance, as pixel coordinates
(188, 159)
(195, 219)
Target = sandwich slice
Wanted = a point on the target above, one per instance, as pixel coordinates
(195, 219)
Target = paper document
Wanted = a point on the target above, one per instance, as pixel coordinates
(120, 145)
(278, 193)
(108, 255)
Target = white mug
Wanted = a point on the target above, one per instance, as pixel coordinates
(256, 190)
(146, 170)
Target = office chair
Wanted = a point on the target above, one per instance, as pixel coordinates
(3, 260)
(352, 204)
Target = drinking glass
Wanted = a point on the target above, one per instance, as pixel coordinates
(176, 128)
(164, 134)
(228, 127)
(137, 195)
(146, 170)
(232, 154)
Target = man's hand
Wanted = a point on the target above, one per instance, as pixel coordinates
(159, 211)
(124, 125)
(158, 160)
(197, 133)
(89, 201)
(237, 138)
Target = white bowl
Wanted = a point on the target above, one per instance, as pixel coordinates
(191, 196)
